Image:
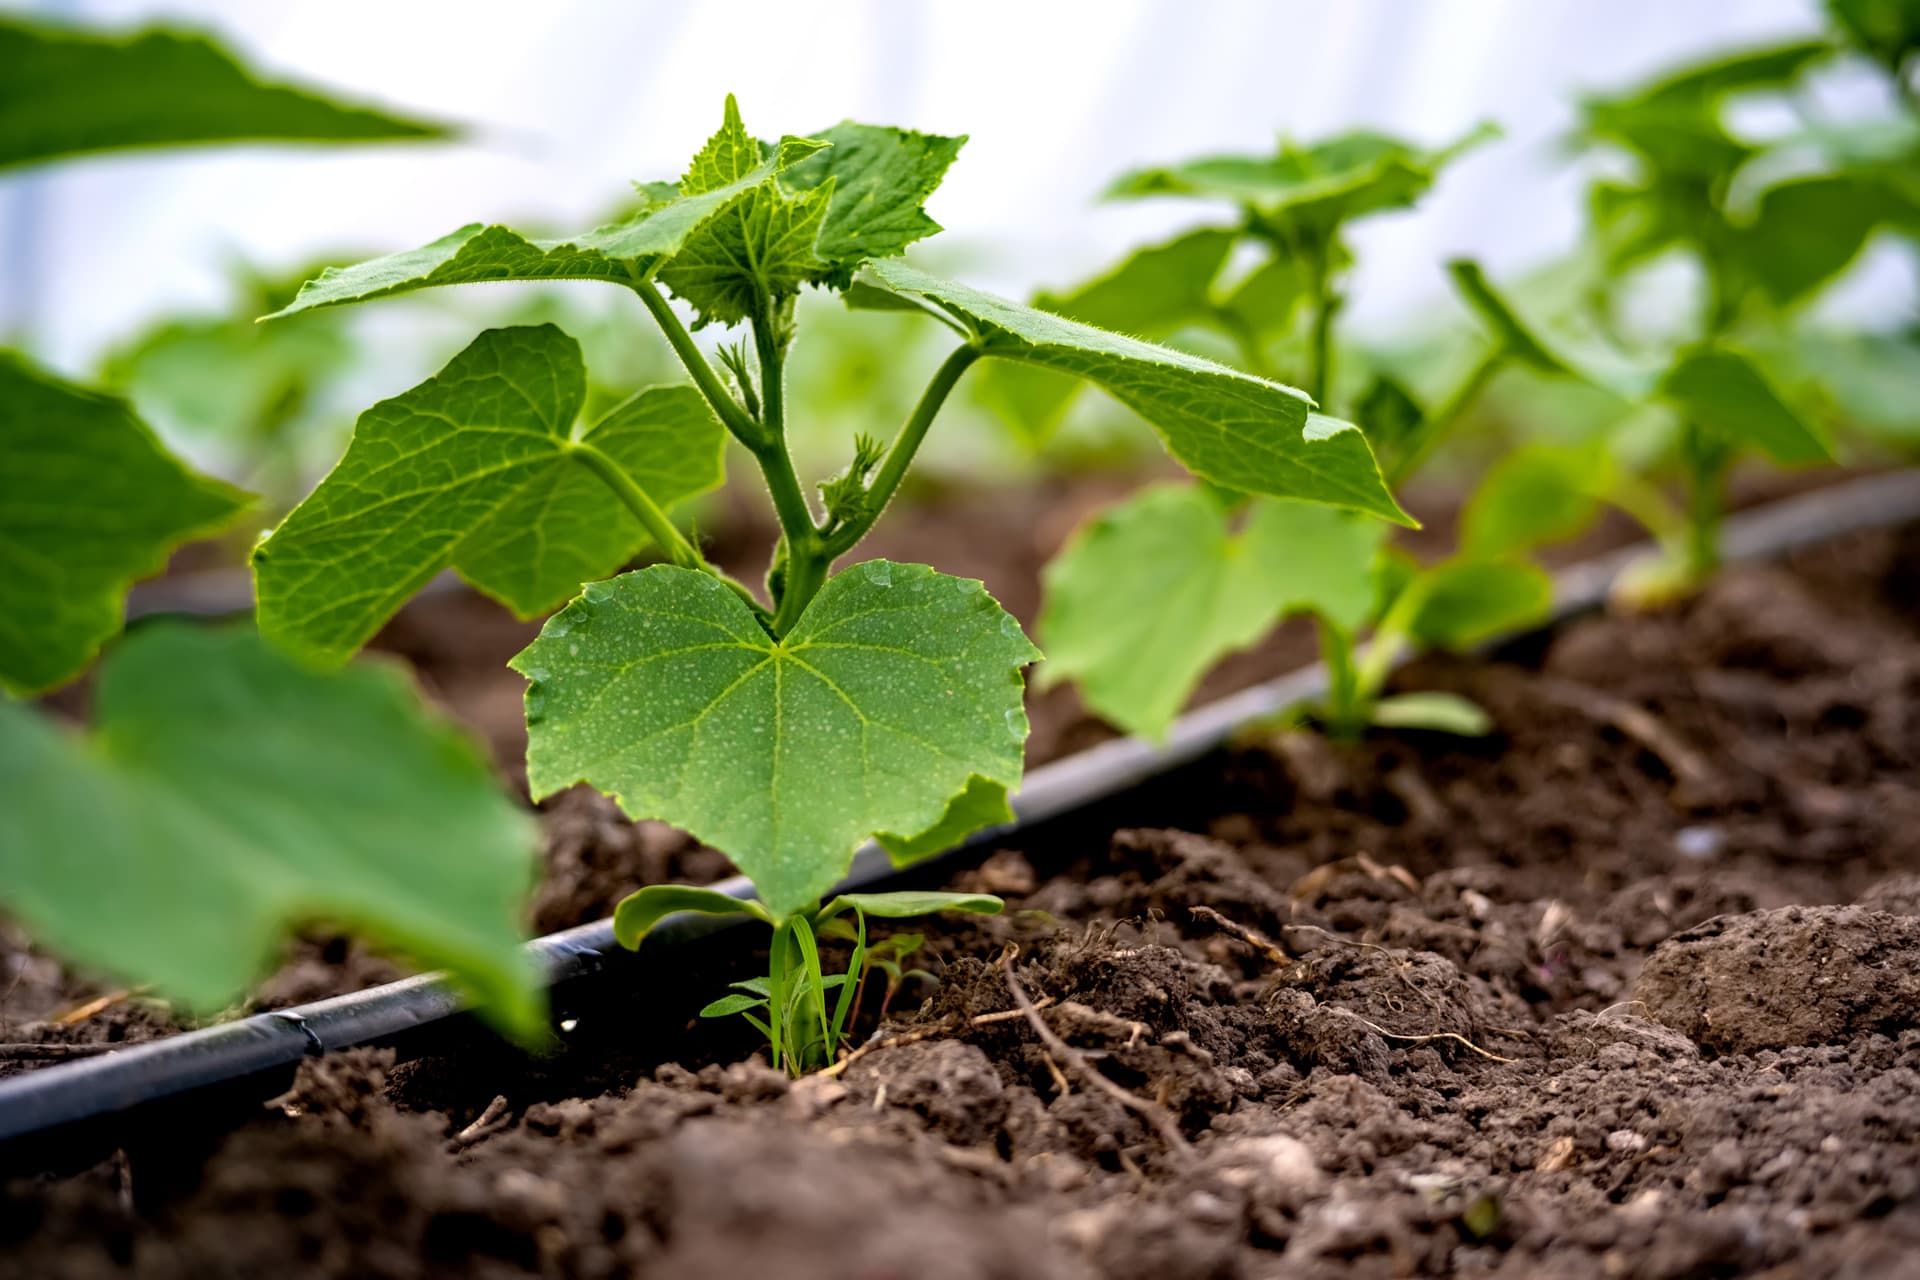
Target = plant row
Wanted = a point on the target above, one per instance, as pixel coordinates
(239, 781)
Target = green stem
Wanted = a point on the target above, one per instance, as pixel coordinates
(644, 508)
(776, 463)
(725, 407)
(1346, 716)
(1708, 462)
(806, 574)
(678, 548)
(807, 558)
(1445, 415)
(815, 980)
(1326, 305)
(777, 993)
(1644, 502)
(886, 481)
(1389, 639)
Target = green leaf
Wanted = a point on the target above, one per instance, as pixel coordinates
(1152, 294)
(898, 944)
(983, 804)
(479, 468)
(727, 1006)
(228, 795)
(896, 687)
(905, 903)
(639, 911)
(1269, 299)
(66, 92)
(1390, 416)
(1633, 223)
(620, 253)
(1768, 67)
(1434, 711)
(1213, 591)
(1532, 496)
(841, 930)
(1680, 143)
(1470, 601)
(1515, 336)
(1239, 431)
(1316, 560)
(1675, 122)
(1310, 190)
(1724, 392)
(759, 246)
(1154, 291)
(89, 504)
(258, 389)
(1872, 380)
(880, 179)
(1808, 230)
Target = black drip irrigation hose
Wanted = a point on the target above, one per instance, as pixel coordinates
(68, 1116)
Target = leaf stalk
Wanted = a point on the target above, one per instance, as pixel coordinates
(725, 407)
(645, 509)
(886, 481)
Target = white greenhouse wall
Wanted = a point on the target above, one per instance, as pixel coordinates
(574, 97)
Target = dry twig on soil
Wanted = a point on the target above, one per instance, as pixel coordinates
(1152, 1112)
(1636, 722)
(1245, 933)
(494, 1117)
(923, 1033)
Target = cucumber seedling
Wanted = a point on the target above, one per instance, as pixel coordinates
(1266, 284)
(1229, 565)
(883, 701)
(1762, 247)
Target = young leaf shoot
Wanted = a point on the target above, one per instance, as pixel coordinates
(1229, 560)
(880, 702)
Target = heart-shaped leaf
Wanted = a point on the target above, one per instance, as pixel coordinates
(480, 468)
(897, 687)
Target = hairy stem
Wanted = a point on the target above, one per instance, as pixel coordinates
(776, 463)
(725, 407)
(806, 574)
(886, 480)
(644, 508)
(807, 557)
(677, 546)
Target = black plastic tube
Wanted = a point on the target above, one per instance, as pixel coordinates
(65, 1116)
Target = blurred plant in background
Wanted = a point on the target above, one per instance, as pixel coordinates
(226, 794)
(249, 400)
(1695, 299)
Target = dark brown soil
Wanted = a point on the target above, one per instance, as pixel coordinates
(1627, 990)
